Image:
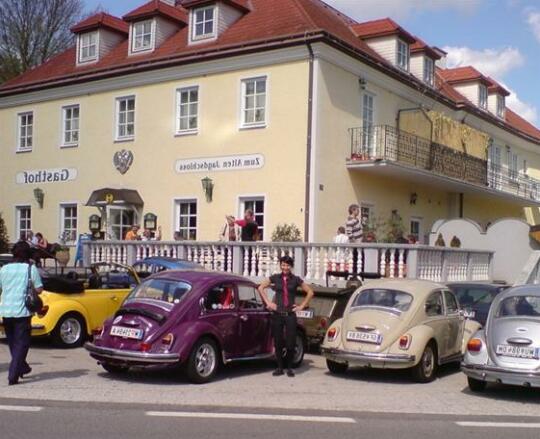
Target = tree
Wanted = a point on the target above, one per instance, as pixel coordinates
(286, 233)
(4, 238)
(32, 31)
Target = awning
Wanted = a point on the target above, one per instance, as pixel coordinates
(108, 196)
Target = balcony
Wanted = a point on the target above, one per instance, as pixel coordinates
(389, 150)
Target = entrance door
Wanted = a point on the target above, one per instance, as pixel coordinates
(120, 221)
(368, 131)
(494, 167)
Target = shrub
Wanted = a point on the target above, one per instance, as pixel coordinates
(4, 238)
(286, 233)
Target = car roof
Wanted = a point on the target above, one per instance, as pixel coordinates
(167, 262)
(198, 276)
(417, 288)
(521, 290)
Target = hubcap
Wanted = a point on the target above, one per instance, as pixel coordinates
(428, 362)
(205, 360)
(70, 331)
(298, 350)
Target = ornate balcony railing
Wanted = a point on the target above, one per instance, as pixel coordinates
(312, 261)
(388, 143)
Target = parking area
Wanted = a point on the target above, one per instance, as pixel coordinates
(71, 375)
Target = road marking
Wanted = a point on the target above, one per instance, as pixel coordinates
(258, 417)
(500, 424)
(20, 408)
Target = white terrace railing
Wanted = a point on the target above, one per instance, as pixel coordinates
(312, 261)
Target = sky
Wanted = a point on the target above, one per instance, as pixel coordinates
(501, 38)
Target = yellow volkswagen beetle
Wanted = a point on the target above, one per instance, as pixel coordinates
(73, 307)
(399, 324)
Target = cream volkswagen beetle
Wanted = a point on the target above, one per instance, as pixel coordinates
(399, 324)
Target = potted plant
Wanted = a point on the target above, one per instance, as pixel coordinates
(62, 249)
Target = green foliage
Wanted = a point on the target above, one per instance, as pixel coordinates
(286, 233)
(4, 238)
(393, 228)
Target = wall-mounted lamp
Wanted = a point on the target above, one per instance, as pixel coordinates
(362, 82)
(413, 197)
(39, 196)
(94, 223)
(150, 221)
(208, 187)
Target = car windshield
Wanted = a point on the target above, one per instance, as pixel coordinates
(161, 289)
(519, 306)
(385, 298)
(469, 296)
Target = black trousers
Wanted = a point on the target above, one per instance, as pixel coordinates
(18, 332)
(284, 333)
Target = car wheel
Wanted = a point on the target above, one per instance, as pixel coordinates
(299, 351)
(424, 371)
(114, 368)
(336, 368)
(203, 361)
(476, 385)
(70, 331)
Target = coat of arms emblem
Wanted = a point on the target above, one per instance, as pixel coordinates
(123, 160)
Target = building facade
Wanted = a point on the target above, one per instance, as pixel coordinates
(197, 109)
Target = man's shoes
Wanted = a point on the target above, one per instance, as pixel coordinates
(13, 382)
(277, 372)
(290, 373)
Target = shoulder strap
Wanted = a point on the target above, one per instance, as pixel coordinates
(29, 274)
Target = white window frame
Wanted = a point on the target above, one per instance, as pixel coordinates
(20, 126)
(193, 23)
(243, 109)
(82, 45)
(18, 210)
(110, 224)
(188, 104)
(429, 70)
(370, 207)
(187, 229)
(118, 101)
(501, 106)
(402, 55)
(134, 31)
(417, 220)
(482, 96)
(65, 109)
(245, 199)
(368, 124)
(75, 219)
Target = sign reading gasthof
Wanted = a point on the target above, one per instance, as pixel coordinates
(59, 175)
(226, 163)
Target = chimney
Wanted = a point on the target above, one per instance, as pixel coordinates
(441, 62)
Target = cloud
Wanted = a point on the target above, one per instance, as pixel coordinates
(533, 20)
(399, 9)
(491, 62)
(526, 111)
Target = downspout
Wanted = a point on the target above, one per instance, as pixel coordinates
(309, 147)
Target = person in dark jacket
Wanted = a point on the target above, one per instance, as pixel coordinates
(14, 279)
(285, 285)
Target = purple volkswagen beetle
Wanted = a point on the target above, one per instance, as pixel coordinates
(194, 319)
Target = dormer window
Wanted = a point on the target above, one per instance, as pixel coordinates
(142, 37)
(204, 23)
(429, 70)
(88, 47)
(500, 106)
(482, 96)
(402, 55)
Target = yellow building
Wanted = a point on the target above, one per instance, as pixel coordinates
(193, 110)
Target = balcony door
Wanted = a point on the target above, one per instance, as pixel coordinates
(494, 167)
(368, 130)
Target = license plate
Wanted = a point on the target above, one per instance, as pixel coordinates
(469, 314)
(518, 351)
(367, 337)
(120, 331)
(305, 314)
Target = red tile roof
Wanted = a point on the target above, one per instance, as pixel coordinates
(243, 5)
(520, 124)
(101, 20)
(157, 7)
(382, 28)
(419, 46)
(463, 74)
(495, 87)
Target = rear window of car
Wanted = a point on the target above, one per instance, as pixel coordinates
(474, 295)
(385, 298)
(527, 306)
(161, 289)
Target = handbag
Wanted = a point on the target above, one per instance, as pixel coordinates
(32, 300)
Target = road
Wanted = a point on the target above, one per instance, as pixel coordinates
(71, 393)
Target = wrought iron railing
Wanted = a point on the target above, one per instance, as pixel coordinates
(388, 143)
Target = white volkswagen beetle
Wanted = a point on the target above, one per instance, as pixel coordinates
(399, 324)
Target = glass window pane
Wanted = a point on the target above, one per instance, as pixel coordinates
(261, 101)
(261, 86)
(194, 95)
(199, 29)
(250, 87)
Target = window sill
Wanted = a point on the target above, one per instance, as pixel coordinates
(22, 151)
(253, 126)
(69, 145)
(84, 62)
(124, 139)
(140, 51)
(186, 133)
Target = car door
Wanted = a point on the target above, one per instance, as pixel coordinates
(436, 319)
(254, 336)
(455, 323)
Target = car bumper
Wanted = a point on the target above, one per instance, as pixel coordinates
(371, 359)
(130, 357)
(495, 374)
